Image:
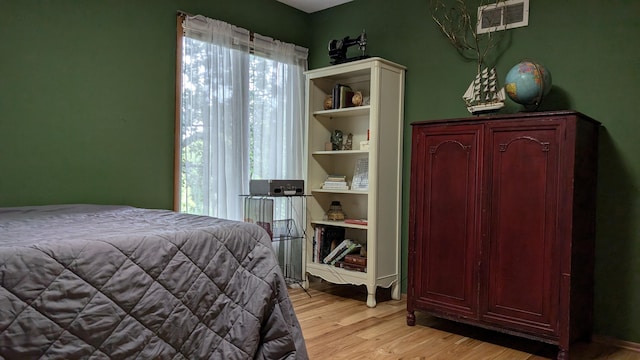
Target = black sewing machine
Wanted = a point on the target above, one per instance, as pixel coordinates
(338, 48)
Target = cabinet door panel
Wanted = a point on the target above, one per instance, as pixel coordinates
(445, 180)
(523, 253)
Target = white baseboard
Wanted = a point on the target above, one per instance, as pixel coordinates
(608, 340)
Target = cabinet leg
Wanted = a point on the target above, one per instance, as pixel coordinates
(395, 291)
(411, 318)
(563, 354)
(371, 296)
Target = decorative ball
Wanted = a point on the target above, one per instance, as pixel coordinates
(356, 100)
(328, 102)
(527, 83)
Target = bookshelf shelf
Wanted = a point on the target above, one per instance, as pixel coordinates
(339, 224)
(341, 152)
(343, 113)
(329, 191)
(337, 275)
(379, 168)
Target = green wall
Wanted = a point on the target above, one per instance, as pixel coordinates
(87, 100)
(87, 95)
(590, 47)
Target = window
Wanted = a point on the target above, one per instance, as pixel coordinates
(240, 114)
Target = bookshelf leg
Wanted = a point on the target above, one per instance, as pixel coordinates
(371, 296)
(305, 282)
(395, 291)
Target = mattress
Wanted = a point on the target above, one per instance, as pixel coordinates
(118, 282)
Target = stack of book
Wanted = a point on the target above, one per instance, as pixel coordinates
(325, 239)
(354, 262)
(335, 182)
(346, 247)
(342, 96)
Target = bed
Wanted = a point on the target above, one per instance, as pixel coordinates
(118, 282)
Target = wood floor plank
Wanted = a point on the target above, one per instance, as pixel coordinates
(337, 324)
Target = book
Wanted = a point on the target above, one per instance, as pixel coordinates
(336, 188)
(352, 267)
(342, 96)
(346, 94)
(335, 185)
(335, 94)
(320, 233)
(355, 259)
(335, 182)
(336, 178)
(351, 248)
(330, 237)
(338, 249)
(356, 221)
(317, 234)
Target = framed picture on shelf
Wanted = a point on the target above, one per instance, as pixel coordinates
(360, 180)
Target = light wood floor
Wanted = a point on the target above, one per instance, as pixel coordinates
(337, 324)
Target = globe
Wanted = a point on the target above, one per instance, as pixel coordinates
(527, 83)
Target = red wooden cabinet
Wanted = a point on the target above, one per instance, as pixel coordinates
(502, 223)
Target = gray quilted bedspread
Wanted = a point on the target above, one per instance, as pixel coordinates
(115, 282)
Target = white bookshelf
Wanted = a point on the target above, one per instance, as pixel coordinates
(380, 119)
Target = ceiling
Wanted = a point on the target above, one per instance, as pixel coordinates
(310, 6)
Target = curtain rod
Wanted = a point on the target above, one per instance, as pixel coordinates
(184, 13)
(251, 33)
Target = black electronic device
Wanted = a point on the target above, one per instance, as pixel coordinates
(338, 48)
(276, 187)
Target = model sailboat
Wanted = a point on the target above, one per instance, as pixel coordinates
(483, 94)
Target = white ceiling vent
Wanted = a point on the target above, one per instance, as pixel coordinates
(503, 15)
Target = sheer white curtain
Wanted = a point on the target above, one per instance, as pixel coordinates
(214, 117)
(277, 108)
(241, 115)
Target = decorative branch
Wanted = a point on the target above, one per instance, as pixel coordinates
(459, 27)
